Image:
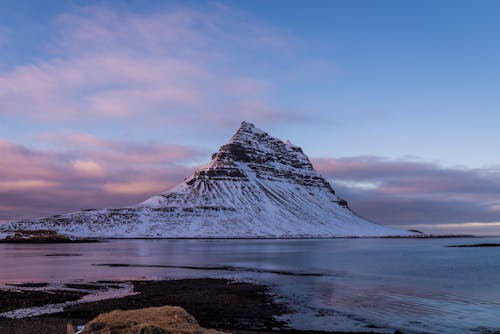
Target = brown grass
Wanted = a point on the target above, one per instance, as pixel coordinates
(152, 320)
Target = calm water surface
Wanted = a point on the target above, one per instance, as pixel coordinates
(414, 285)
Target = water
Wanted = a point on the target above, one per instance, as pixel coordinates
(414, 285)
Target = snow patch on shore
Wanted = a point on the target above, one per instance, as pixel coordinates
(123, 290)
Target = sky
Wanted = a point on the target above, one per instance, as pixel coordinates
(106, 103)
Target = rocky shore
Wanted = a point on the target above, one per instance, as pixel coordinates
(224, 305)
(40, 237)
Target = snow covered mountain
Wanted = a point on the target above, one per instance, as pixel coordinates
(254, 186)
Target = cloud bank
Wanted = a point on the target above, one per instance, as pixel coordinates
(399, 192)
(89, 173)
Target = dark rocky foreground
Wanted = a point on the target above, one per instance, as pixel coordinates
(237, 307)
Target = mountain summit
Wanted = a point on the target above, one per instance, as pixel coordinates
(254, 186)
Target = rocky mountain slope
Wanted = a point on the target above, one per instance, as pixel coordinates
(254, 186)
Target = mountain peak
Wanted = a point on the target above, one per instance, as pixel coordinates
(252, 154)
(256, 185)
(247, 125)
(247, 132)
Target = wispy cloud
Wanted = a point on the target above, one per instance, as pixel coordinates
(180, 65)
(403, 192)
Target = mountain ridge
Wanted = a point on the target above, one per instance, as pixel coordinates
(255, 186)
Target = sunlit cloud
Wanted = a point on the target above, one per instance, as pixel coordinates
(357, 184)
(133, 188)
(462, 225)
(86, 172)
(25, 185)
(88, 168)
(489, 228)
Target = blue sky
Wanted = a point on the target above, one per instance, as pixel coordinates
(412, 84)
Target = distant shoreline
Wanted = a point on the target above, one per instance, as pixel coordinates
(97, 239)
(475, 245)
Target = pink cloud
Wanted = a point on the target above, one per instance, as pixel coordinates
(88, 172)
(89, 168)
(115, 152)
(403, 192)
(172, 66)
(97, 86)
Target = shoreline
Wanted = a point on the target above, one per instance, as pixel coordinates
(226, 305)
(105, 239)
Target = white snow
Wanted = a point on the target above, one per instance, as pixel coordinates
(123, 290)
(271, 191)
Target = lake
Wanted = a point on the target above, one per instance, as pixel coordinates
(414, 285)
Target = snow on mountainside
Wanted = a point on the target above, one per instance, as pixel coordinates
(254, 186)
